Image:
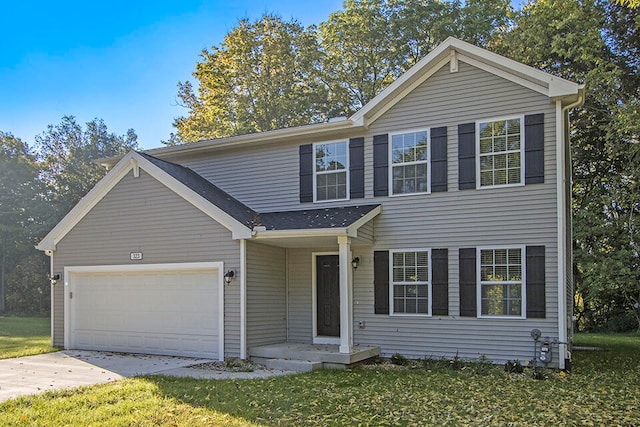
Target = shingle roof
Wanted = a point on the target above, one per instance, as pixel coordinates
(315, 218)
(339, 217)
(208, 190)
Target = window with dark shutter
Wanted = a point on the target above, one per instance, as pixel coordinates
(468, 278)
(381, 165)
(306, 173)
(440, 282)
(356, 168)
(535, 282)
(534, 148)
(381, 281)
(467, 156)
(439, 159)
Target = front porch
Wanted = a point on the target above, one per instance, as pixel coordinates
(304, 357)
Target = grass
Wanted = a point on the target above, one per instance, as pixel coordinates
(24, 336)
(603, 389)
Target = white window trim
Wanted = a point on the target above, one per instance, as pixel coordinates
(522, 160)
(523, 309)
(391, 283)
(315, 173)
(391, 164)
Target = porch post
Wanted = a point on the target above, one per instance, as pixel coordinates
(346, 321)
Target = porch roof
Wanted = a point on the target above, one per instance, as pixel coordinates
(334, 221)
(339, 217)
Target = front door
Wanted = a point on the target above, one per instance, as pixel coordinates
(328, 295)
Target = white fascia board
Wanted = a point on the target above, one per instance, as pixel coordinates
(252, 138)
(88, 202)
(132, 161)
(359, 116)
(238, 230)
(499, 65)
(352, 230)
(314, 232)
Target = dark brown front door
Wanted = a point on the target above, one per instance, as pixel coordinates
(328, 295)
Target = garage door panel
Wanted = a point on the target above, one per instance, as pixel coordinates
(160, 312)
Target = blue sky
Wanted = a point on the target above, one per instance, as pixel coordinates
(116, 60)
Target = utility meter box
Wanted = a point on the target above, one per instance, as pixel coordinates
(545, 352)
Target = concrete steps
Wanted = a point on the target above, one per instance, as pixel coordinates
(308, 357)
(288, 364)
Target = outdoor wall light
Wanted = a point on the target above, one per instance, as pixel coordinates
(355, 262)
(228, 277)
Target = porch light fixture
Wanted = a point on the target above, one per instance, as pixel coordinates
(355, 262)
(228, 277)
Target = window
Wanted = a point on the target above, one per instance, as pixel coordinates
(410, 163)
(501, 284)
(411, 284)
(331, 160)
(500, 152)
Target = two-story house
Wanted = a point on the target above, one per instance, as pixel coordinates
(433, 222)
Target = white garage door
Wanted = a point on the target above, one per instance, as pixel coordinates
(168, 310)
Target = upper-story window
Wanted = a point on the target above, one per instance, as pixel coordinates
(500, 152)
(501, 282)
(331, 161)
(410, 163)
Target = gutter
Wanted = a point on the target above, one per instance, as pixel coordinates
(305, 131)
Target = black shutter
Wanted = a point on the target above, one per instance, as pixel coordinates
(439, 159)
(468, 295)
(356, 168)
(534, 148)
(381, 165)
(306, 173)
(440, 282)
(381, 281)
(467, 156)
(535, 282)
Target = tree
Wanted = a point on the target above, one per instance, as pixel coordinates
(19, 196)
(585, 41)
(257, 79)
(360, 56)
(67, 154)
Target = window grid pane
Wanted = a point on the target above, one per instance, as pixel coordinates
(331, 174)
(409, 158)
(500, 156)
(411, 282)
(501, 282)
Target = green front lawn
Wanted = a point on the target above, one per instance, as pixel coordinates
(24, 336)
(603, 389)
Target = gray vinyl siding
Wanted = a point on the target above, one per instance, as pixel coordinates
(142, 215)
(300, 320)
(266, 295)
(523, 215)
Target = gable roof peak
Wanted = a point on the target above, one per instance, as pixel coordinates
(450, 52)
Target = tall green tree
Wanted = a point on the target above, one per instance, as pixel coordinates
(369, 43)
(257, 79)
(360, 56)
(67, 153)
(20, 205)
(584, 41)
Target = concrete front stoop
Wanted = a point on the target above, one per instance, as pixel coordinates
(302, 357)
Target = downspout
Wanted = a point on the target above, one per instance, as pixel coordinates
(243, 299)
(52, 291)
(562, 141)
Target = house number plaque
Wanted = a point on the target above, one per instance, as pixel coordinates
(136, 256)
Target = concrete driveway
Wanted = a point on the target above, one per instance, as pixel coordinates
(67, 369)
